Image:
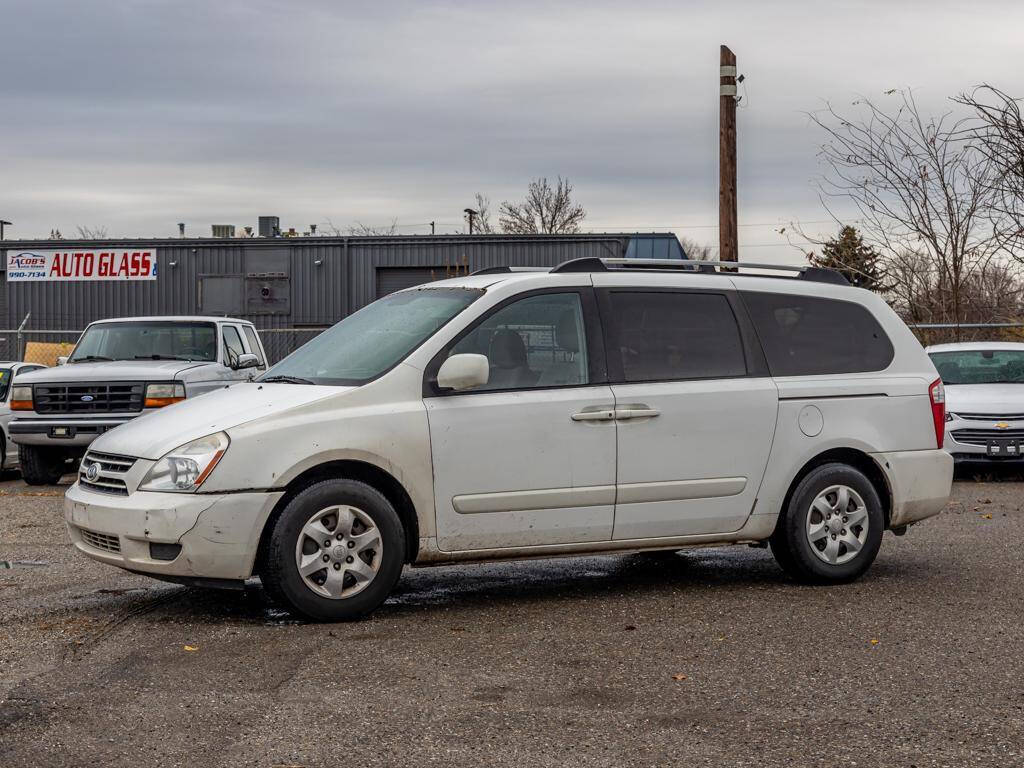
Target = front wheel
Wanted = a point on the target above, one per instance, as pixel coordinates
(831, 530)
(42, 466)
(336, 551)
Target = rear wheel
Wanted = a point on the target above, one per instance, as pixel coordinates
(336, 551)
(831, 530)
(41, 465)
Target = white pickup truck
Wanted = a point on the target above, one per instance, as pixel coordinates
(121, 369)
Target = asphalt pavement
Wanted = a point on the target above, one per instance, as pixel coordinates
(709, 658)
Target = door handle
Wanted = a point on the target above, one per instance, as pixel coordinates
(636, 411)
(595, 413)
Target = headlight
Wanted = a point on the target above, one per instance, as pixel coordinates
(21, 398)
(159, 395)
(186, 467)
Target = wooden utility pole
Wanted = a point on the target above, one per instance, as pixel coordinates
(728, 249)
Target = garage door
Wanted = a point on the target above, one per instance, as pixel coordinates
(391, 279)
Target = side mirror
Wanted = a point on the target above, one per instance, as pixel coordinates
(246, 360)
(464, 371)
(62, 360)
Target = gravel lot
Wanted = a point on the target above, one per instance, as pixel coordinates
(710, 658)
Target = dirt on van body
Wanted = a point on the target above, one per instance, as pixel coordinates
(708, 658)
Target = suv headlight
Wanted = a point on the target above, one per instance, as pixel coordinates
(21, 398)
(159, 395)
(186, 467)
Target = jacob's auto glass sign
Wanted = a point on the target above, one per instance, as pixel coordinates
(75, 264)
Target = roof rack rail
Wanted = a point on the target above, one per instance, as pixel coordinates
(504, 270)
(595, 264)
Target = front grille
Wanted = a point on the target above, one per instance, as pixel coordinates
(983, 436)
(990, 417)
(110, 477)
(101, 540)
(105, 397)
(104, 485)
(108, 462)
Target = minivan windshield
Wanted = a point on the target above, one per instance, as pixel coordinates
(373, 340)
(150, 340)
(980, 366)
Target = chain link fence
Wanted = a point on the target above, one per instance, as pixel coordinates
(281, 342)
(44, 347)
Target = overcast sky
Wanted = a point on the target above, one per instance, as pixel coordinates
(135, 114)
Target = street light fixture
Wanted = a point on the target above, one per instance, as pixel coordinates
(471, 213)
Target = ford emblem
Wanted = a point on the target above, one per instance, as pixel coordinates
(92, 472)
(87, 398)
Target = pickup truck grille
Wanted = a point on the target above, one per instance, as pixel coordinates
(103, 397)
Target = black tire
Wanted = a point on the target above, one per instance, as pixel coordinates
(280, 573)
(42, 466)
(790, 543)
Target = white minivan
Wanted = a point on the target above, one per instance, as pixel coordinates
(603, 405)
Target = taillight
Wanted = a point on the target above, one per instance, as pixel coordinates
(937, 396)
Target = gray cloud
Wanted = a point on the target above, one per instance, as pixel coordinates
(138, 114)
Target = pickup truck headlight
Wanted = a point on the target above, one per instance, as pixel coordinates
(186, 467)
(159, 395)
(21, 398)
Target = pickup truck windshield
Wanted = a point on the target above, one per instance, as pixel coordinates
(373, 340)
(147, 341)
(980, 366)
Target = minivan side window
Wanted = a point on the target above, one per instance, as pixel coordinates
(232, 345)
(671, 335)
(534, 343)
(809, 335)
(254, 344)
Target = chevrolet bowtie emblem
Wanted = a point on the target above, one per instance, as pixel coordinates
(1002, 425)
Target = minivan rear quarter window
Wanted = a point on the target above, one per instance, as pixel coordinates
(810, 335)
(672, 335)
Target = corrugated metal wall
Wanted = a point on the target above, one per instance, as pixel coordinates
(327, 278)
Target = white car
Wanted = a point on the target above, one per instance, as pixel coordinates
(600, 406)
(984, 384)
(8, 370)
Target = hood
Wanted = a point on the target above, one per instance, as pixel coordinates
(153, 434)
(115, 370)
(996, 399)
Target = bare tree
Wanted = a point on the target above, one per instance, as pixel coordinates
(358, 229)
(1000, 136)
(546, 210)
(92, 233)
(921, 185)
(482, 218)
(696, 251)
(387, 230)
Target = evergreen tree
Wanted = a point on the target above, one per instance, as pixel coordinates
(847, 253)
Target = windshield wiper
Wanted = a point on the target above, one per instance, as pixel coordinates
(92, 358)
(160, 357)
(286, 380)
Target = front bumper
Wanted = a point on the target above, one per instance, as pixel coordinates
(218, 533)
(920, 483)
(61, 432)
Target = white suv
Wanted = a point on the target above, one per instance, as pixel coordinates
(600, 406)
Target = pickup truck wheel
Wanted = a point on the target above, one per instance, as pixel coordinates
(336, 551)
(42, 466)
(831, 530)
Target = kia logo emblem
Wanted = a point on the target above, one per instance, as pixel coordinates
(92, 472)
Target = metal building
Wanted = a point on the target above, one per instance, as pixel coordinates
(290, 287)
